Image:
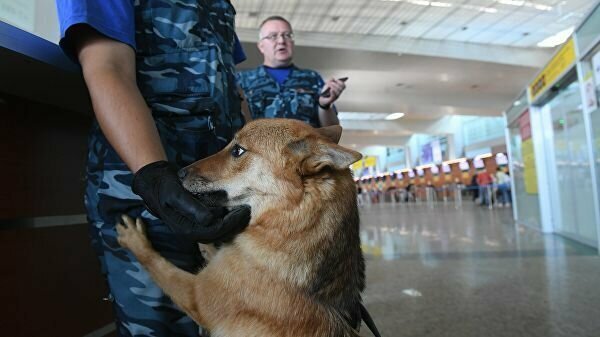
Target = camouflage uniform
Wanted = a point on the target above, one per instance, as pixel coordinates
(297, 97)
(185, 71)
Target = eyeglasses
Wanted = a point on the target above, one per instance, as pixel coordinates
(287, 36)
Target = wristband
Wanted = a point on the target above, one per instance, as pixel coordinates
(326, 107)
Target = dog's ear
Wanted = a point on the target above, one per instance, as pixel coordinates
(318, 155)
(332, 132)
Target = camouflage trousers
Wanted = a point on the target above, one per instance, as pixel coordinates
(141, 308)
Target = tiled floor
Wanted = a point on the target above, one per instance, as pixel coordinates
(472, 272)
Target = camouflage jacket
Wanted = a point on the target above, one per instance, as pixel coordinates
(296, 98)
(185, 61)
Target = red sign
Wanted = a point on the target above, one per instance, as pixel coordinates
(525, 125)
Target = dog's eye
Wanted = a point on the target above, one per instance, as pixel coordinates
(237, 151)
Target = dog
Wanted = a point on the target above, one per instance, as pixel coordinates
(297, 270)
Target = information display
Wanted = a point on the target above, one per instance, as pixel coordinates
(501, 159)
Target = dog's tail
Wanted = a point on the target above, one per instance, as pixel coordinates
(366, 317)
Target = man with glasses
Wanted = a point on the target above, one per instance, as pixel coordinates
(279, 89)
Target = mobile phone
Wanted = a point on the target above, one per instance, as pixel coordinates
(326, 93)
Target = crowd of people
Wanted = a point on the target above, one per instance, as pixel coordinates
(485, 189)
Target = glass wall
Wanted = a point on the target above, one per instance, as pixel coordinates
(571, 188)
(590, 73)
(523, 171)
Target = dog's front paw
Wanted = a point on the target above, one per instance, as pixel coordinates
(132, 235)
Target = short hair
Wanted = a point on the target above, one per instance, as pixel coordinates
(274, 18)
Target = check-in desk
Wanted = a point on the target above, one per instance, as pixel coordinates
(51, 283)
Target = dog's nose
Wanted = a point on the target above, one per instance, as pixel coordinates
(182, 174)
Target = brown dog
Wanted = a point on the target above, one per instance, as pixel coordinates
(297, 270)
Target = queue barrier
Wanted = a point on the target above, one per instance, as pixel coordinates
(432, 196)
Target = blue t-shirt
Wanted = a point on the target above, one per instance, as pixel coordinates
(279, 74)
(113, 18)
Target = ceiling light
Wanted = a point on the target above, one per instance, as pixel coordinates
(488, 10)
(517, 103)
(556, 39)
(542, 7)
(440, 4)
(419, 2)
(361, 116)
(511, 2)
(394, 116)
(529, 4)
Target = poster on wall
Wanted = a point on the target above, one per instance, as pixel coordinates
(436, 151)
(596, 67)
(589, 93)
(426, 154)
(529, 172)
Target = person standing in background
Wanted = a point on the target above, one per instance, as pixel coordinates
(279, 89)
(485, 181)
(503, 181)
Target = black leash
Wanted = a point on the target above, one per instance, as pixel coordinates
(368, 320)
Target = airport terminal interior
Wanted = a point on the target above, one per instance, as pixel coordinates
(478, 189)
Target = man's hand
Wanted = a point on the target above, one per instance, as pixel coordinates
(336, 87)
(159, 186)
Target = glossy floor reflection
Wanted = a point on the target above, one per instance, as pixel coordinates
(472, 272)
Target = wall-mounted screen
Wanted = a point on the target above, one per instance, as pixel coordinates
(435, 169)
(446, 168)
(420, 172)
(463, 165)
(411, 174)
(478, 163)
(501, 159)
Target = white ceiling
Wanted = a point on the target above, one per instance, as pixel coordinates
(504, 22)
(473, 57)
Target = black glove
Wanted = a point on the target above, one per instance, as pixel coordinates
(159, 186)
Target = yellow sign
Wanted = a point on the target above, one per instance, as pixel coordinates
(357, 166)
(529, 174)
(564, 59)
(370, 161)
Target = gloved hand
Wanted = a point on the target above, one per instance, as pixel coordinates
(159, 186)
